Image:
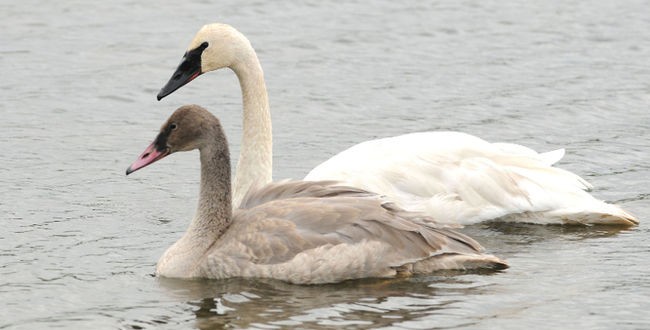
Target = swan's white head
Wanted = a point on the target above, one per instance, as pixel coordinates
(215, 46)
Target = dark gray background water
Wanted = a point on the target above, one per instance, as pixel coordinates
(79, 240)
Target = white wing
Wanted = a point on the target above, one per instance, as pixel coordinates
(458, 178)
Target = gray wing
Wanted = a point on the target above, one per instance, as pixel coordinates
(285, 219)
(295, 189)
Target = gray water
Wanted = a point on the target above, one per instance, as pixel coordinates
(79, 240)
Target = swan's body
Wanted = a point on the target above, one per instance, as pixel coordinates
(300, 232)
(458, 178)
(454, 177)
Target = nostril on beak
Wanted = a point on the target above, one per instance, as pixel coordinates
(145, 155)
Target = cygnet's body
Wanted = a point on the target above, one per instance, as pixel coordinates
(300, 232)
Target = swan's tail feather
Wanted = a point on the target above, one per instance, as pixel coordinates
(549, 158)
(552, 157)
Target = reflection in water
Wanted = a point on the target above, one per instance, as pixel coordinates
(550, 231)
(370, 302)
(502, 236)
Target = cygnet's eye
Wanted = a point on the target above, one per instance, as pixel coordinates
(172, 126)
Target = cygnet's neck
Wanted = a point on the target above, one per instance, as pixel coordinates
(255, 165)
(212, 219)
(214, 212)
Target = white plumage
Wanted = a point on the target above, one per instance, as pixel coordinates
(453, 177)
(459, 178)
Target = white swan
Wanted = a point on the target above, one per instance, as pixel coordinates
(301, 232)
(453, 177)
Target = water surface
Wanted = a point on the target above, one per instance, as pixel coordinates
(80, 240)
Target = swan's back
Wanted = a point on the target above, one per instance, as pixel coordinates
(288, 189)
(318, 232)
(459, 178)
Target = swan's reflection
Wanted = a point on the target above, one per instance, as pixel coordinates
(263, 303)
(499, 238)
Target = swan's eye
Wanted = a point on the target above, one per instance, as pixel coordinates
(204, 45)
(172, 126)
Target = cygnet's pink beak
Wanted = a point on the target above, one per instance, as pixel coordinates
(150, 155)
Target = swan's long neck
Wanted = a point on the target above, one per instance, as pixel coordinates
(212, 218)
(214, 211)
(255, 165)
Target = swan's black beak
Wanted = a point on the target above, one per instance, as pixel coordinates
(185, 73)
(188, 70)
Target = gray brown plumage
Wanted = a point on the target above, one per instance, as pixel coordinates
(297, 231)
